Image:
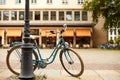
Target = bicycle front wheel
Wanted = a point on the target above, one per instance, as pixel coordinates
(13, 59)
(71, 62)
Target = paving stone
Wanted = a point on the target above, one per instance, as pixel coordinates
(109, 74)
(90, 75)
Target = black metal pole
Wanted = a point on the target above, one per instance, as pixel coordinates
(26, 60)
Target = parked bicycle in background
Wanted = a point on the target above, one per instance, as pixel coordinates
(70, 60)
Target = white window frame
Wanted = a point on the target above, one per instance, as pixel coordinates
(49, 1)
(2, 1)
(17, 1)
(33, 1)
(64, 1)
(80, 1)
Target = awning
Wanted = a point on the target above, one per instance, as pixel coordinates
(14, 32)
(1, 32)
(83, 32)
(46, 33)
(68, 33)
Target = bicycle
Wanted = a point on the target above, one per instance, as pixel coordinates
(70, 60)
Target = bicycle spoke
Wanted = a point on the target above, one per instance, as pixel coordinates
(71, 62)
(14, 60)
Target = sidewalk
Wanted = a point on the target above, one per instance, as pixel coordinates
(5, 74)
(99, 65)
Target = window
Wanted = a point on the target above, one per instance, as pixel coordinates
(111, 38)
(111, 31)
(49, 1)
(21, 15)
(80, 1)
(18, 1)
(77, 16)
(118, 31)
(45, 15)
(34, 31)
(84, 16)
(33, 1)
(61, 15)
(14, 15)
(114, 38)
(5, 15)
(65, 1)
(53, 15)
(68, 15)
(2, 1)
(0, 15)
(114, 31)
(31, 15)
(37, 15)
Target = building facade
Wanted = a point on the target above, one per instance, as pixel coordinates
(46, 15)
(113, 33)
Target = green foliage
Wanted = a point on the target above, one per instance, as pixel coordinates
(41, 77)
(108, 9)
(118, 40)
(111, 41)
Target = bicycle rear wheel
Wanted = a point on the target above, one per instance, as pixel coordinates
(71, 62)
(13, 59)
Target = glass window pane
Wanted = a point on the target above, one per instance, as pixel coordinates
(111, 31)
(118, 31)
(2, 1)
(53, 15)
(34, 31)
(0, 15)
(111, 38)
(14, 15)
(31, 15)
(77, 16)
(37, 15)
(61, 15)
(64, 1)
(18, 1)
(5, 15)
(68, 15)
(84, 16)
(49, 1)
(80, 1)
(114, 31)
(21, 15)
(45, 15)
(33, 1)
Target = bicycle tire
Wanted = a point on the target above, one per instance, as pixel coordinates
(9, 57)
(75, 68)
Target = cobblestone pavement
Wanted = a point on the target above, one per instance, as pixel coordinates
(99, 65)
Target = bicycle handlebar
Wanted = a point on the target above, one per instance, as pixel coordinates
(52, 32)
(63, 30)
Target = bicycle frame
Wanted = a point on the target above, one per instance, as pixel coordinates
(44, 62)
(60, 45)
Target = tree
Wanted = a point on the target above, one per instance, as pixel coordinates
(108, 9)
(118, 40)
